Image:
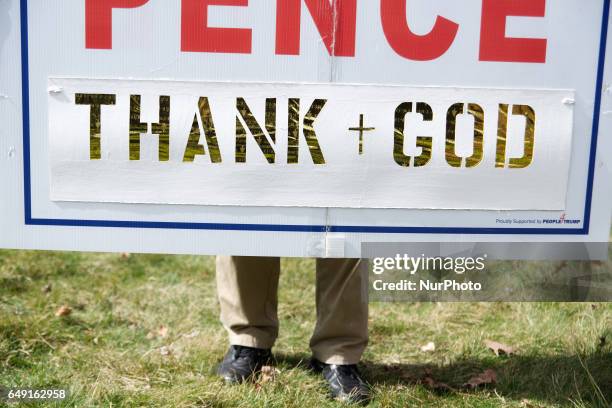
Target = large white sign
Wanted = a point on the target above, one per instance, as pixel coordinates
(302, 127)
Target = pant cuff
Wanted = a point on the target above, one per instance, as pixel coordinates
(330, 358)
(250, 341)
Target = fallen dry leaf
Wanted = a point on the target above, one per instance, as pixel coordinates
(428, 381)
(485, 378)
(525, 403)
(499, 348)
(161, 332)
(63, 311)
(268, 374)
(431, 346)
(165, 351)
(434, 385)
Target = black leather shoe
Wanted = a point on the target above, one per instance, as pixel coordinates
(345, 382)
(241, 363)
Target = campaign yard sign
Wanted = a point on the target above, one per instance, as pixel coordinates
(302, 127)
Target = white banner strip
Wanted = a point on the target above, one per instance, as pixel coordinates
(308, 145)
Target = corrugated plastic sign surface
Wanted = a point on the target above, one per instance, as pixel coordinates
(301, 127)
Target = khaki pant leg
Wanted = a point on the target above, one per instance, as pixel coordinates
(247, 290)
(341, 332)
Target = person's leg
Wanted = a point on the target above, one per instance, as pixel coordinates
(247, 291)
(341, 332)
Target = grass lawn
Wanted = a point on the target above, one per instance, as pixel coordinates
(144, 332)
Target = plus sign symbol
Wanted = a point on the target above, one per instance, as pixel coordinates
(361, 129)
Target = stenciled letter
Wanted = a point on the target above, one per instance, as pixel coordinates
(308, 128)
(259, 135)
(529, 138)
(451, 127)
(95, 101)
(194, 147)
(424, 142)
(162, 128)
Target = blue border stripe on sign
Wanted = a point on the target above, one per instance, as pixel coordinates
(25, 97)
(597, 110)
(180, 225)
(27, 195)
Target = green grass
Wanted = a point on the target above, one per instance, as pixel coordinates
(108, 351)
